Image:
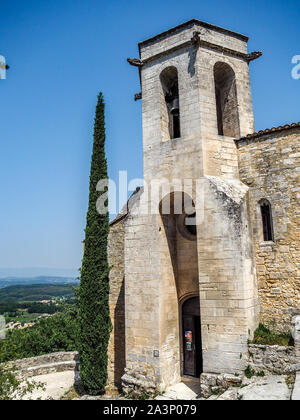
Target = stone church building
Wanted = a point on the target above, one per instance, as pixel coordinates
(198, 265)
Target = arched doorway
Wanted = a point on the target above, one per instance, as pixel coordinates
(191, 334)
(180, 281)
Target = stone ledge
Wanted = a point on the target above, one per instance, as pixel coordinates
(48, 363)
(46, 369)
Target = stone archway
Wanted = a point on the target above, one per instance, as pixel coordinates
(180, 278)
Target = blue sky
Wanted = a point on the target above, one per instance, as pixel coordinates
(61, 54)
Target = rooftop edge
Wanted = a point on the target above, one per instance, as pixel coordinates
(191, 23)
(262, 133)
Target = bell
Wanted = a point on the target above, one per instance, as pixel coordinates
(175, 107)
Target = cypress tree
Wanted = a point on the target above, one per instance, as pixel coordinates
(94, 324)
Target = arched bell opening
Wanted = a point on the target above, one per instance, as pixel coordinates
(170, 114)
(226, 101)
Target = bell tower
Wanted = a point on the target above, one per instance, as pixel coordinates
(191, 287)
(196, 98)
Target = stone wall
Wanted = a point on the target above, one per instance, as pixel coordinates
(269, 165)
(116, 348)
(213, 384)
(45, 364)
(227, 278)
(296, 334)
(275, 360)
(142, 297)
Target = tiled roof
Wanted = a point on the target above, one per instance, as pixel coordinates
(270, 131)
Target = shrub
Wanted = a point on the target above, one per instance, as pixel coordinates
(264, 336)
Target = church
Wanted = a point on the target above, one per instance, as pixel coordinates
(210, 249)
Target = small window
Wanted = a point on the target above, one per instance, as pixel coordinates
(267, 224)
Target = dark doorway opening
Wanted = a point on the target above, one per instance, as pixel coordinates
(192, 343)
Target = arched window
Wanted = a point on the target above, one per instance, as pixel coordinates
(170, 118)
(267, 223)
(226, 101)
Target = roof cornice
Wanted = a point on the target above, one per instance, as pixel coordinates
(268, 131)
(191, 23)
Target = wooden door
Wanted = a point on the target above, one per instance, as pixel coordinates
(192, 345)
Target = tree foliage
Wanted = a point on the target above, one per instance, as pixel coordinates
(93, 297)
(54, 334)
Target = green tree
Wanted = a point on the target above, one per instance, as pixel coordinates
(93, 296)
(54, 334)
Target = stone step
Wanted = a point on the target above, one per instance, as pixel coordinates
(272, 388)
(296, 390)
(180, 391)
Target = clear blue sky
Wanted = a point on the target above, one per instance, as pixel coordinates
(62, 53)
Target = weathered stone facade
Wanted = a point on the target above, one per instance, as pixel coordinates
(116, 348)
(273, 360)
(157, 263)
(270, 165)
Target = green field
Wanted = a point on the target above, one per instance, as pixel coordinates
(23, 318)
(36, 292)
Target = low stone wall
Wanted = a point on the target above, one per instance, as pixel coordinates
(48, 363)
(45, 359)
(276, 360)
(214, 384)
(140, 384)
(272, 360)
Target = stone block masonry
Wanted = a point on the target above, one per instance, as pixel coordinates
(270, 166)
(116, 347)
(273, 360)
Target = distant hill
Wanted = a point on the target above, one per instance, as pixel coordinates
(37, 272)
(35, 292)
(13, 281)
